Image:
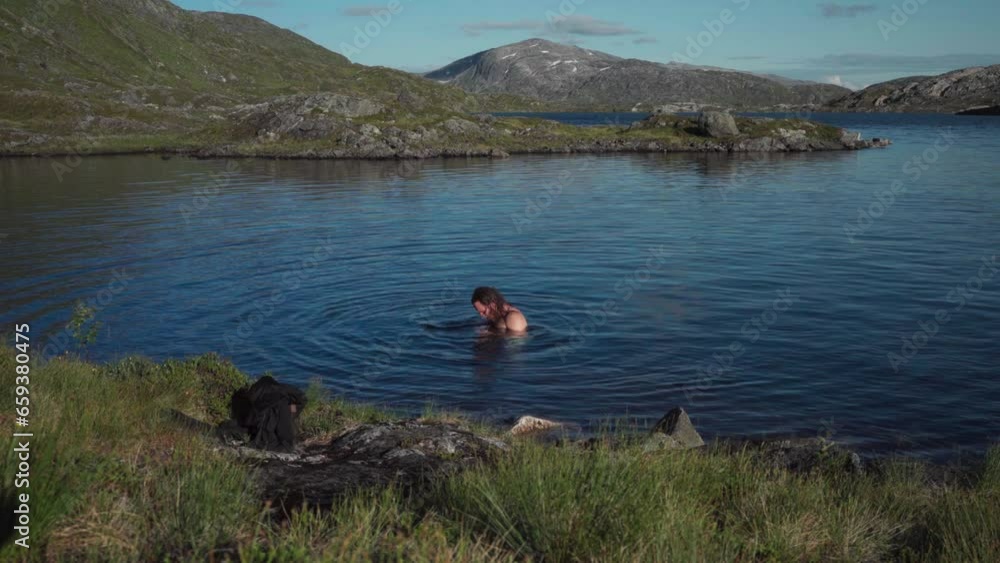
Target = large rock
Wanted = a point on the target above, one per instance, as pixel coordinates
(717, 124)
(794, 139)
(675, 431)
(405, 453)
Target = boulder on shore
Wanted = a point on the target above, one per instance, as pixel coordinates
(717, 124)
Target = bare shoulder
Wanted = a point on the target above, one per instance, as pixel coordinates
(516, 321)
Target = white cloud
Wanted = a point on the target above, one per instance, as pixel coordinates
(561, 25)
(837, 80)
(477, 28)
(835, 10)
(586, 25)
(361, 11)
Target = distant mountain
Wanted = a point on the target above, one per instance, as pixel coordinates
(554, 72)
(969, 90)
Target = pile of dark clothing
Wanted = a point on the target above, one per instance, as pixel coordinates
(267, 412)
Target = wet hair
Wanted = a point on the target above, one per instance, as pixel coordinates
(489, 296)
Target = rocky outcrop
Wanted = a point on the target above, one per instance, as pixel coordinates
(580, 77)
(404, 453)
(313, 116)
(458, 126)
(951, 92)
(721, 132)
(717, 124)
(799, 455)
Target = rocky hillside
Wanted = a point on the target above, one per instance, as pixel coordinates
(554, 72)
(972, 90)
(147, 66)
(118, 76)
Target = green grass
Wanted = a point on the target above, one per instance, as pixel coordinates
(765, 128)
(113, 479)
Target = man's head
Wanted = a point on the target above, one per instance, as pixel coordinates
(489, 302)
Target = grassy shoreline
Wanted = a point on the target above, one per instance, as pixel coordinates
(113, 479)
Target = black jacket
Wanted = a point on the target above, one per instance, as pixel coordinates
(264, 410)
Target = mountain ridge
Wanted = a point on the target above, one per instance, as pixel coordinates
(957, 91)
(553, 72)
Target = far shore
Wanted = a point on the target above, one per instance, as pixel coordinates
(279, 135)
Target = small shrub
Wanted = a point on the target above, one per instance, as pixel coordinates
(131, 367)
(219, 379)
(82, 325)
(212, 378)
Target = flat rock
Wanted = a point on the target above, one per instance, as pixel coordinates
(406, 453)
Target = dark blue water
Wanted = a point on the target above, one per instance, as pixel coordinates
(727, 285)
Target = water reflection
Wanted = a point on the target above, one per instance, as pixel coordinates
(491, 348)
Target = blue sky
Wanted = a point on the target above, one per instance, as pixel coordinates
(852, 43)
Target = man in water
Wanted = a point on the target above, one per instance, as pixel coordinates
(503, 316)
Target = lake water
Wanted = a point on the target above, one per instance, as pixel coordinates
(727, 285)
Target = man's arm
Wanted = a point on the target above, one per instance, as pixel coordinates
(516, 322)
